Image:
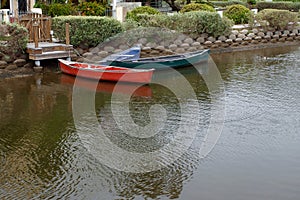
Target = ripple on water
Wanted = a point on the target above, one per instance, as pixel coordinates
(43, 158)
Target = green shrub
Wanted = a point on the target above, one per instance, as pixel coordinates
(13, 40)
(276, 19)
(224, 4)
(197, 7)
(134, 13)
(191, 23)
(43, 6)
(57, 9)
(278, 5)
(238, 13)
(130, 24)
(207, 2)
(90, 30)
(91, 9)
(251, 2)
(288, 0)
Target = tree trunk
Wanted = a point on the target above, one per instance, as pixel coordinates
(172, 5)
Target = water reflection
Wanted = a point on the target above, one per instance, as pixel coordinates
(41, 155)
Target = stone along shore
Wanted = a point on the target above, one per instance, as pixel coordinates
(238, 40)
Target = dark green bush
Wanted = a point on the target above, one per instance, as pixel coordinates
(58, 9)
(224, 4)
(43, 6)
(251, 2)
(278, 5)
(197, 7)
(191, 23)
(288, 0)
(13, 39)
(134, 14)
(90, 30)
(91, 9)
(276, 19)
(238, 13)
(208, 2)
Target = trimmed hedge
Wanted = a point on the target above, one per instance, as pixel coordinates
(224, 4)
(13, 40)
(134, 13)
(191, 23)
(90, 30)
(197, 7)
(276, 19)
(278, 5)
(238, 13)
(288, 0)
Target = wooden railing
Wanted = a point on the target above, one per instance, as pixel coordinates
(38, 26)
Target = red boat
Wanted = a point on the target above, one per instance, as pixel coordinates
(107, 73)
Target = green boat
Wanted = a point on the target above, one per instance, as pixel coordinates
(161, 62)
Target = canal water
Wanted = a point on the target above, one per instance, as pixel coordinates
(45, 155)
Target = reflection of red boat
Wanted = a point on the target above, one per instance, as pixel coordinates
(107, 87)
(107, 73)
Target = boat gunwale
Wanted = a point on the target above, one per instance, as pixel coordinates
(162, 59)
(124, 70)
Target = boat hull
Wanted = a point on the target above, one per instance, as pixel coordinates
(106, 73)
(164, 62)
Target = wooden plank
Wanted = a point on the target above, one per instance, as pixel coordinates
(52, 55)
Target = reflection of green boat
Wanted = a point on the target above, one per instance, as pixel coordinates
(162, 62)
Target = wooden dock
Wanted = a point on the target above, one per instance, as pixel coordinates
(49, 50)
(40, 46)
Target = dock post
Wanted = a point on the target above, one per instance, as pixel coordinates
(68, 38)
(67, 34)
(35, 32)
(37, 63)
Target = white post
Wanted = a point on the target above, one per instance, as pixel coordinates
(12, 7)
(114, 7)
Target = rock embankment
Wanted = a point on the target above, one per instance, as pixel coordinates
(238, 40)
(243, 39)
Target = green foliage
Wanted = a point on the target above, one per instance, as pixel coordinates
(13, 39)
(57, 9)
(197, 7)
(288, 0)
(224, 4)
(276, 19)
(278, 5)
(238, 13)
(134, 13)
(43, 6)
(130, 24)
(251, 2)
(208, 2)
(91, 30)
(91, 9)
(190, 23)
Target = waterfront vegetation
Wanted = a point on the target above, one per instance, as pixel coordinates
(276, 19)
(92, 28)
(238, 13)
(13, 40)
(198, 23)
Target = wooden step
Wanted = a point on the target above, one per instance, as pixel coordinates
(47, 47)
(52, 55)
(46, 50)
